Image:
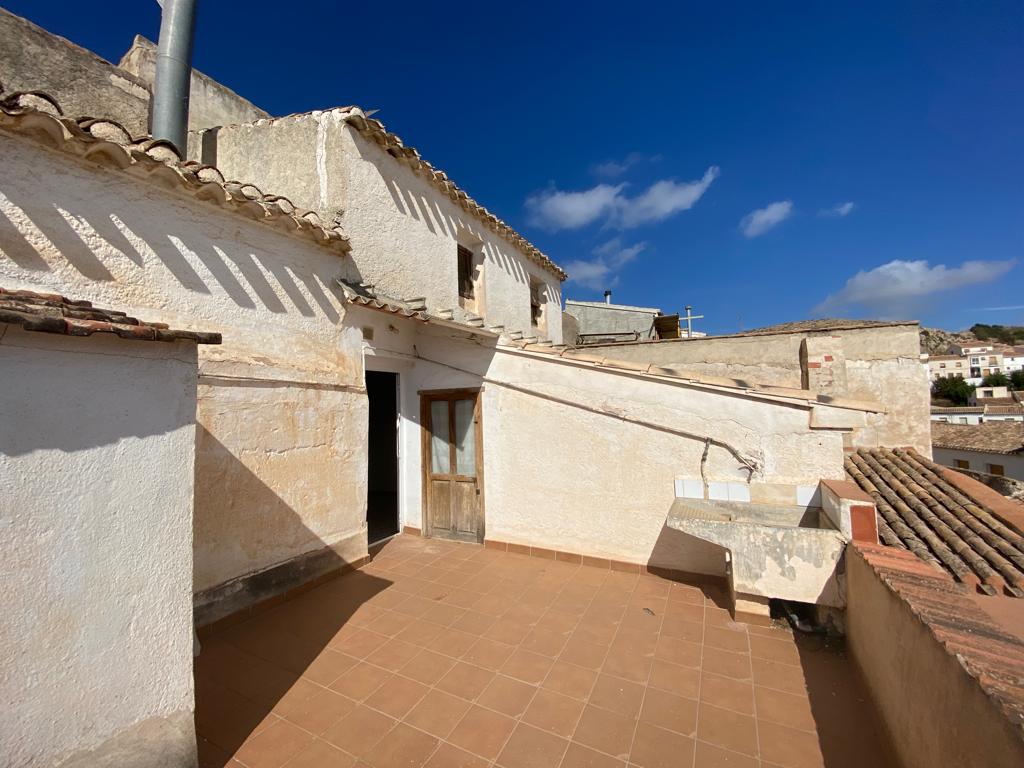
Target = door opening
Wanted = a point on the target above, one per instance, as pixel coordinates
(382, 468)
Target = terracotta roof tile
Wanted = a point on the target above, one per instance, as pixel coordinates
(990, 437)
(919, 510)
(37, 115)
(52, 313)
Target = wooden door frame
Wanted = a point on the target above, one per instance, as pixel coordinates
(427, 396)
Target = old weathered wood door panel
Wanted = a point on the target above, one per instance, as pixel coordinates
(452, 464)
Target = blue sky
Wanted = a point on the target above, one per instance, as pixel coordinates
(762, 162)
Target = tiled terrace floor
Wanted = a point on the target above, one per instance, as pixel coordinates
(454, 656)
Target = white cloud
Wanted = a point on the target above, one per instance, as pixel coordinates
(554, 209)
(838, 211)
(890, 288)
(761, 220)
(612, 168)
(599, 273)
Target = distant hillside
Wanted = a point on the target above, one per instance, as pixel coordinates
(935, 341)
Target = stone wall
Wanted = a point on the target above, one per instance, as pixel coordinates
(404, 231)
(280, 459)
(96, 473)
(85, 84)
(879, 363)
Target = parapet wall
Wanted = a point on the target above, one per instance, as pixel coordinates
(880, 363)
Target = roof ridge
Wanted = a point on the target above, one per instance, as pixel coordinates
(37, 115)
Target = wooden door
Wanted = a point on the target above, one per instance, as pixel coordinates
(453, 464)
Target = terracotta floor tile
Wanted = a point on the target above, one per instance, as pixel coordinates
(274, 746)
(584, 653)
(489, 654)
(678, 651)
(527, 666)
(666, 710)
(727, 693)
(402, 747)
(492, 605)
(726, 663)
(628, 665)
(554, 712)
(530, 747)
(328, 667)
(359, 730)
(727, 639)
(227, 718)
(675, 678)
(675, 611)
(657, 748)
(728, 729)
(428, 667)
(682, 629)
(321, 754)
(552, 621)
(438, 713)
(465, 680)
(397, 696)
(393, 655)
(444, 614)
(544, 641)
(482, 732)
(784, 649)
(507, 631)
(710, 756)
(789, 747)
(420, 632)
(618, 695)
(212, 756)
(390, 623)
(579, 756)
(452, 642)
(448, 756)
(474, 623)
(780, 676)
(359, 643)
(507, 695)
(320, 712)
(784, 708)
(605, 731)
(570, 680)
(360, 681)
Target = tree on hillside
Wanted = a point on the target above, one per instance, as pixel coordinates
(996, 380)
(1017, 380)
(1007, 334)
(953, 389)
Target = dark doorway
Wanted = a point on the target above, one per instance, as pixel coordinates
(382, 472)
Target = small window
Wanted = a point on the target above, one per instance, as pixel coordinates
(961, 464)
(465, 273)
(942, 365)
(996, 469)
(536, 302)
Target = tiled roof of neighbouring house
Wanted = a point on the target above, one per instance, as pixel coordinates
(920, 510)
(375, 131)
(38, 116)
(990, 437)
(52, 313)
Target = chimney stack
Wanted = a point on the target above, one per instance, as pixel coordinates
(607, 297)
(169, 119)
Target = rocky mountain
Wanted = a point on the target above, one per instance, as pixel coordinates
(935, 341)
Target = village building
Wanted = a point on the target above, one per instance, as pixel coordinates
(994, 448)
(596, 322)
(348, 450)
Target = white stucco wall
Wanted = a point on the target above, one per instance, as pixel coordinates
(585, 460)
(280, 465)
(1013, 464)
(404, 231)
(96, 472)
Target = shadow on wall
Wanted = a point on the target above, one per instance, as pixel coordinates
(848, 726)
(279, 660)
(409, 202)
(676, 551)
(76, 231)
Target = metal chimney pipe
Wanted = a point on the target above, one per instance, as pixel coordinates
(173, 72)
(607, 297)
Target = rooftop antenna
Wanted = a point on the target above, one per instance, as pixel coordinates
(689, 320)
(607, 297)
(173, 72)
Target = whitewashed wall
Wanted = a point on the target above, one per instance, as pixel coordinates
(1013, 464)
(280, 465)
(404, 231)
(96, 472)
